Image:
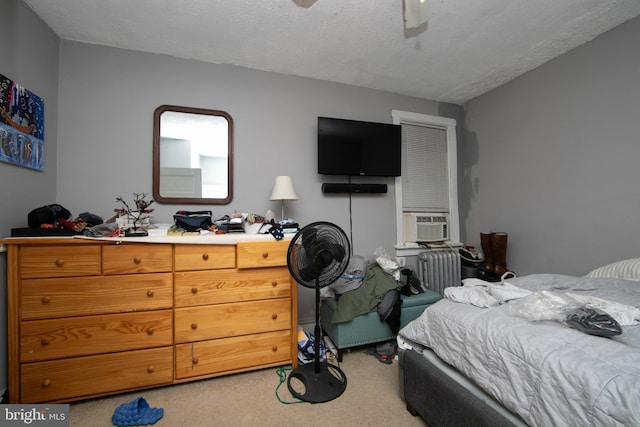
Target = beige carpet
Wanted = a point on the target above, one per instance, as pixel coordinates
(249, 399)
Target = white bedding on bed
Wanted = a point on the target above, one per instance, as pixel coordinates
(545, 372)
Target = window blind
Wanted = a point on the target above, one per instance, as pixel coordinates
(425, 175)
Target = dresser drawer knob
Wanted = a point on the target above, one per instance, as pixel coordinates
(151, 369)
(44, 341)
(205, 256)
(265, 254)
(194, 326)
(274, 316)
(274, 348)
(137, 260)
(194, 290)
(45, 300)
(46, 382)
(274, 283)
(150, 293)
(59, 262)
(150, 331)
(195, 360)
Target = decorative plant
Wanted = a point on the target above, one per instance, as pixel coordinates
(141, 212)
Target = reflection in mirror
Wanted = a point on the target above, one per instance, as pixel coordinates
(192, 155)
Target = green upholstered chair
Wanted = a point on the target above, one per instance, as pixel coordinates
(368, 328)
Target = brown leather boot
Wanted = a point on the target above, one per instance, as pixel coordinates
(485, 242)
(499, 247)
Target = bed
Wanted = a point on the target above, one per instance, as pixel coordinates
(462, 364)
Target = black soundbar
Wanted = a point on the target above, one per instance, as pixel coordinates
(354, 188)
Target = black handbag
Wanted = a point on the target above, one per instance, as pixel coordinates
(193, 221)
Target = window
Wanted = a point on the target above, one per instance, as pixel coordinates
(429, 170)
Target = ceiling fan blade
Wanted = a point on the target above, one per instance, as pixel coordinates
(415, 17)
(304, 3)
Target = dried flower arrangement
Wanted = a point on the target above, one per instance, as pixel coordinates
(138, 216)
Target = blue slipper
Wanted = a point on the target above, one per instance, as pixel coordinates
(136, 413)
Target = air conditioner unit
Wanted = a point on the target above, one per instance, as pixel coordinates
(425, 227)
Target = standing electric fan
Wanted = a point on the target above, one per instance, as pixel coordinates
(318, 255)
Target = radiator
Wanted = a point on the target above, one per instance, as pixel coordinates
(439, 269)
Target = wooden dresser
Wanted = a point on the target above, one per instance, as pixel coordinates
(88, 318)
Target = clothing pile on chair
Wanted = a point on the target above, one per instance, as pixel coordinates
(381, 288)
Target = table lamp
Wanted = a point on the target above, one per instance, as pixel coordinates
(283, 190)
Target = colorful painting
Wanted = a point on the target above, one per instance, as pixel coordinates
(21, 125)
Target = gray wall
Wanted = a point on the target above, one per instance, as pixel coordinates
(29, 57)
(107, 99)
(552, 159)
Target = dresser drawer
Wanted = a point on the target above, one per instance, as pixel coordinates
(66, 379)
(204, 257)
(126, 259)
(262, 254)
(225, 320)
(59, 261)
(236, 353)
(81, 336)
(78, 296)
(221, 286)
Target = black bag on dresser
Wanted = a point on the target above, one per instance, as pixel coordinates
(48, 214)
(193, 220)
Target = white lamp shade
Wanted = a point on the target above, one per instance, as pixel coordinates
(283, 189)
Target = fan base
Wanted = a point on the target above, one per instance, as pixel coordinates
(322, 386)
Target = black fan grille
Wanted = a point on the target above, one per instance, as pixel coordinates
(318, 254)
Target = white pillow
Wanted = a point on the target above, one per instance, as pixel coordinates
(627, 269)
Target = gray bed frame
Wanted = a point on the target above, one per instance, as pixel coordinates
(443, 397)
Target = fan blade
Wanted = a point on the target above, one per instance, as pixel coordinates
(415, 17)
(415, 13)
(309, 273)
(337, 251)
(323, 257)
(304, 3)
(309, 238)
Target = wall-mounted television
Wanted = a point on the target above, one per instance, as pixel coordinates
(356, 148)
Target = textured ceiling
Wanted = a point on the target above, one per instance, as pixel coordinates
(468, 48)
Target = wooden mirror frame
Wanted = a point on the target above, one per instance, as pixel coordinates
(156, 156)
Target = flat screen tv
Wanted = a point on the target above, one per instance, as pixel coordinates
(356, 148)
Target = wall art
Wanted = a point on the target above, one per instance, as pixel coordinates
(21, 125)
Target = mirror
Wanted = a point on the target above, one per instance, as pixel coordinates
(192, 155)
